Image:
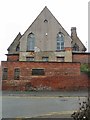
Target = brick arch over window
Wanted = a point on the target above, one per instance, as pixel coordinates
(30, 42)
(60, 41)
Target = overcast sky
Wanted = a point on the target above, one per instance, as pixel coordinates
(17, 15)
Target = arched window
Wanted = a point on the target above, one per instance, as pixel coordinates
(18, 47)
(30, 42)
(60, 41)
(75, 47)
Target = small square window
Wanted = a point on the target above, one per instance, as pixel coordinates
(30, 59)
(38, 72)
(45, 59)
(60, 59)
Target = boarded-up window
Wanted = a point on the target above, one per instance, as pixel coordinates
(5, 74)
(38, 72)
(16, 74)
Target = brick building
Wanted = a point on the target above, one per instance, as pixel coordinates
(45, 57)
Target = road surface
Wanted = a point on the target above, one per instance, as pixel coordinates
(26, 106)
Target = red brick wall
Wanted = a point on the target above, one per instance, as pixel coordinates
(68, 48)
(13, 58)
(51, 68)
(81, 57)
(48, 83)
(57, 76)
(60, 82)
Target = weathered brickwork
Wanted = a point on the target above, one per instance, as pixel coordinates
(51, 68)
(45, 40)
(81, 57)
(76, 57)
(13, 57)
(48, 83)
(57, 76)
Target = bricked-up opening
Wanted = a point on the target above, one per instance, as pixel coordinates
(16, 74)
(38, 72)
(5, 74)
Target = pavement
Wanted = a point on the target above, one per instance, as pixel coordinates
(61, 93)
(56, 115)
(37, 99)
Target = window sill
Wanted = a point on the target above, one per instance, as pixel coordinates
(30, 51)
(60, 50)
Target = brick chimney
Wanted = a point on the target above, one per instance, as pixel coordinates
(73, 32)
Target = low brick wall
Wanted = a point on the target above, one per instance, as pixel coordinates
(81, 57)
(12, 57)
(57, 76)
(48, 83)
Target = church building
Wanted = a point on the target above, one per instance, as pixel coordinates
(45, 57)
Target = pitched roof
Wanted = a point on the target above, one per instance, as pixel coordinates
(75, 39)
(16, 39)
(46, 10)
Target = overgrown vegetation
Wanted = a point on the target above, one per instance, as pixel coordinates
(83, 113)
(85, 68)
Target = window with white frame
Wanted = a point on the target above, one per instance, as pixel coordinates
(60, 41)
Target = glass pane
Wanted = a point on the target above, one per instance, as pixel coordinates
(60, 42)
(31, 42)
(58, 48)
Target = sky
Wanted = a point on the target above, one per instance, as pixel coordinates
(17, 15)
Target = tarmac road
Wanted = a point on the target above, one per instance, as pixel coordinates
(41, 104)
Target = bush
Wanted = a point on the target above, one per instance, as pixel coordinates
(85, 68)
